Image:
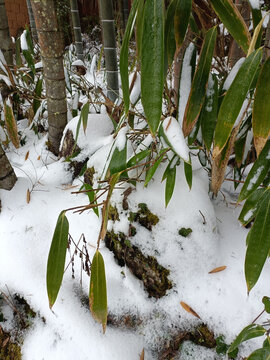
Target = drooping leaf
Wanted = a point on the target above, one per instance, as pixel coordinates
(169, 38)
(56, 258)
(98, 290)
(234, 22)
(118, 161)
(260, 354)
(261, 108)
(249, 332)
(258, 242)
(256, 18)
(257, 173)
(257, 33)
(139, 27)
(124, 53)
(11, 124)
(138, 157)
(152, 62)
(209, 111)
(30, 61)
(175, 161)
(234, 99)
(151, 171)
(251, 206)
(181, 20)
(82, 119)
(38, 90)
(170, 183)
(188, 174)
(199, 83)
(266, 302)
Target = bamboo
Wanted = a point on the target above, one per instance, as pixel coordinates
(5, 39)
(77, 28)
(32, 22)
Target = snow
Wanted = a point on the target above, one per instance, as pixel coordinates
(232, 74)
(174, 134)
(255, 4)
(78, 63)
(255, 177)
(23, 40)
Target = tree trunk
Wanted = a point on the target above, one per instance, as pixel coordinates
(5, 39)
(52, 50)
(32, 22)
(7, 174)
(109, 42)
(77, 28)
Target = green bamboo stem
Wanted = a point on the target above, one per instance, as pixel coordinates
(32, 21)
(77, 28)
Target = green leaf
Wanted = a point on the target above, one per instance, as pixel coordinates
(175, 161)
(152, 62)
(124, 54)
(188, 174)
(209, 111)
(251, 206)
(266, 302)
(91, 196)
(199, 83)
(261, 108)
(38, 90)
(256, 18)
(233, 21)
(249, 332)
(258, 242)
(138, 157)
(181, 20)
(234, 99)
(151, 171)
(257, 173)
(83, 118)
(118, 161)
(170, 183)
(266, 342)
(98, 290)
(57, 257)
(29, 59)
(260, 354)
(18, 52)
(169, 38)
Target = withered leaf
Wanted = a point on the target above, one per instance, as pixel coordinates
(28, 196)
(217, 269)
(189, 309)
(38, 157)
(26, 155)
(142, 355)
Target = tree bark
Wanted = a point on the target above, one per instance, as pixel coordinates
(109, 42)
(77, 28)
(32, 22)
(7, 174)
(5, 39)
(52, 50)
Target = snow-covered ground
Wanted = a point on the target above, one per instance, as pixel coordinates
(69, 331)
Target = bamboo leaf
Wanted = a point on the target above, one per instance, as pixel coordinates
(152, 62)
(124, 54)
(151, 171)
(181, 20)
(118, 161)
(28, 196)
(98, 290)
(11, 124)
(251, 206)
(199, 83)
(57, 256)
(257, 173)
(170, 183)
(232, 19)
(188, 174)
(208, 115)
(189, 309)
(258, 243)
(38, 90)
(139, 27)
(91, 196)
(234, 99)
(218, 269)
(249, 332)
(261, 108)
(255, 37)
(260, 354)
(266, 302)
(169, 38)
(138, 157)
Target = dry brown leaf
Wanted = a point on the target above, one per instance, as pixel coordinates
(38, 157)
(26, 155)
(218, 269)
(28, 196)
(142, 355)
(189, 309)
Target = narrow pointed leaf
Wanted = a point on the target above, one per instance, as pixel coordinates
(138, 157)
(118, 161)
(152, 62)
(150, 173)
(255, 37)
(258, 242)
(169, 39)
(38, 91)
(91, 196)
(199, 83)
(11, 124)
(208, 115)
(139, 27)
(175, 161)
(98, 290)
(189, 309)
(181, 20)
(251, 206)
(234, 22)
(124, 53)
(260, 354)
(261, 108)
(266, 302)
(234, 99)
(188, 174)
(57, 257)
(249, 332)
(170, 183)
(257, 173)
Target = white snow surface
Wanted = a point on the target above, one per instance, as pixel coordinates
(69, 331)
(232, 74)
(255, 4)
(24, 45)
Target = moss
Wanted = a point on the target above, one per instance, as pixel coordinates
(88, 175)
(185, 232)
(144, 217)
(203, 336)
(132, 230)
(9, 350)
(113, 213)
(146, 268)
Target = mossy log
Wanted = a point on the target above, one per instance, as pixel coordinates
(145, 268)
